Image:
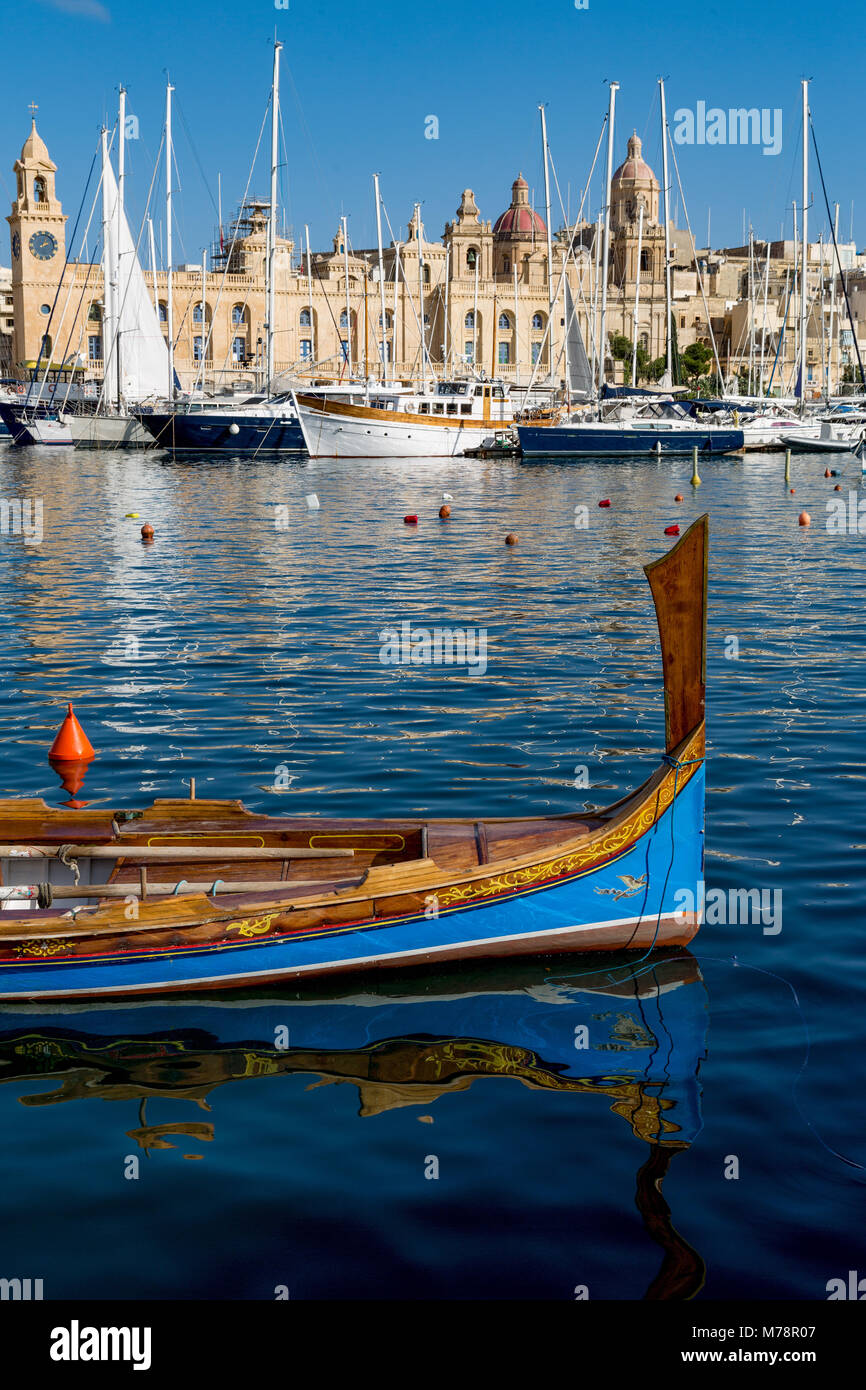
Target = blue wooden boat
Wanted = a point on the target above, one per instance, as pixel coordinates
(201, 895)
(260, 425)
(621, 439)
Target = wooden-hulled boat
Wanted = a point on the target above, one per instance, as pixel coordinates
(201, 895)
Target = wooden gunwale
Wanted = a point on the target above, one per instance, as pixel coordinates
(377, 415)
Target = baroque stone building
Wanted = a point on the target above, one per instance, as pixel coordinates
(478, 296)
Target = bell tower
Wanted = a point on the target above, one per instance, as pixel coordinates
(38, 242)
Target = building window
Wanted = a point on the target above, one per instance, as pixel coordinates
(163, 311)
(504, 354)
(239, 349)
(425, 274)
(646, 261)
(94, 313)
(469, 321)
(682, 320)
(344, 320)
(197, 315)
(197, 343)
(306, 320)
(45, 308)
(644, 341)
(536, 352)
(505, 323)
(306, 349)
(469, 351)
(45, 347)
(471, 259)
(426, 320)
(345, 346)
(387, 323)
(239, 315)
(94, 348)
(40, 192)
(506, 266)
(537, 323)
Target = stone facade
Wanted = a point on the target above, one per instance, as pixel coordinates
(482, 291)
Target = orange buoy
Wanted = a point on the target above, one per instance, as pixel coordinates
(605, 502)
(672, 530)
(838, 487)
(805, 519)
(679, 497)
(793, 490)
(444, 512)
(827, 473)
(511, 539)
(71, 743)
(411, 519)
(147, 533)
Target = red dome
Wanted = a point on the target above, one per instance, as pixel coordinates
(520, 219)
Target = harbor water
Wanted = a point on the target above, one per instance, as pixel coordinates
(448, 1134)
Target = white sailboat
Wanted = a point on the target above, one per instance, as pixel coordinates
(135, 352)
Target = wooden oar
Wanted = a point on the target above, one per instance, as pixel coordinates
(168, 852)
(48, 892)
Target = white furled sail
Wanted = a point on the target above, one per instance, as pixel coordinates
(133, 337)
(579, 372)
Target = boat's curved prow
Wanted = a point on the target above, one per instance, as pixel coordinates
(678, 581)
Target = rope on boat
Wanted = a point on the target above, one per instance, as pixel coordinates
(65, 855)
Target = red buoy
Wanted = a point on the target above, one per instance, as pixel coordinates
(672, 530)
(71, 743)
(805, 519)
(838, 487)
(827, 473)
(679, 497)
(793, 490)
(605, 503)
(411, 519)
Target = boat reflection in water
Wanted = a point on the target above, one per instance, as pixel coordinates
(407, 1041)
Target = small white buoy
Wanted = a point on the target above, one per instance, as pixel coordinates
(234, 428)
(446, 497)
(312, 502)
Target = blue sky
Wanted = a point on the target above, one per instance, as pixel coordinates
(360, 82)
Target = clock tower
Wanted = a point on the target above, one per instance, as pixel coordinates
(38, 243)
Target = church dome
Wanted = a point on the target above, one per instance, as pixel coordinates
(35, 150)
(634, 168)
(519, 220)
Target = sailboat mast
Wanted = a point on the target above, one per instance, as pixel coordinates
(169, 306)
(421, 298)
(669, 347)
(348, 354)
(204, 332)
(804, 275)
(109, 321)
(516, 328)
(636, 296)
(605, 254)
(310, 292)
(272, 215)
(545, 157)
(384, 341)
(121, 181)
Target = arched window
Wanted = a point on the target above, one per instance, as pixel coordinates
(197, 315)
(537, 323)
(40, 191)
(469, 321)
(45, 348)
(644, 341)
(163, 311)
(344, 320)
(306, 319)
(505, 323)
(239, 315)
(471, 258)
(646, 261)
(94, 313)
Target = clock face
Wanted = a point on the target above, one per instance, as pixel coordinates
(43, 245)
(16, 245)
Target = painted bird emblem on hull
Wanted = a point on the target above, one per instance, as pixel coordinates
(632, 886)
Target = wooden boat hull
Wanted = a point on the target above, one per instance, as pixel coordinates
(617, 891)
(383, 895)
